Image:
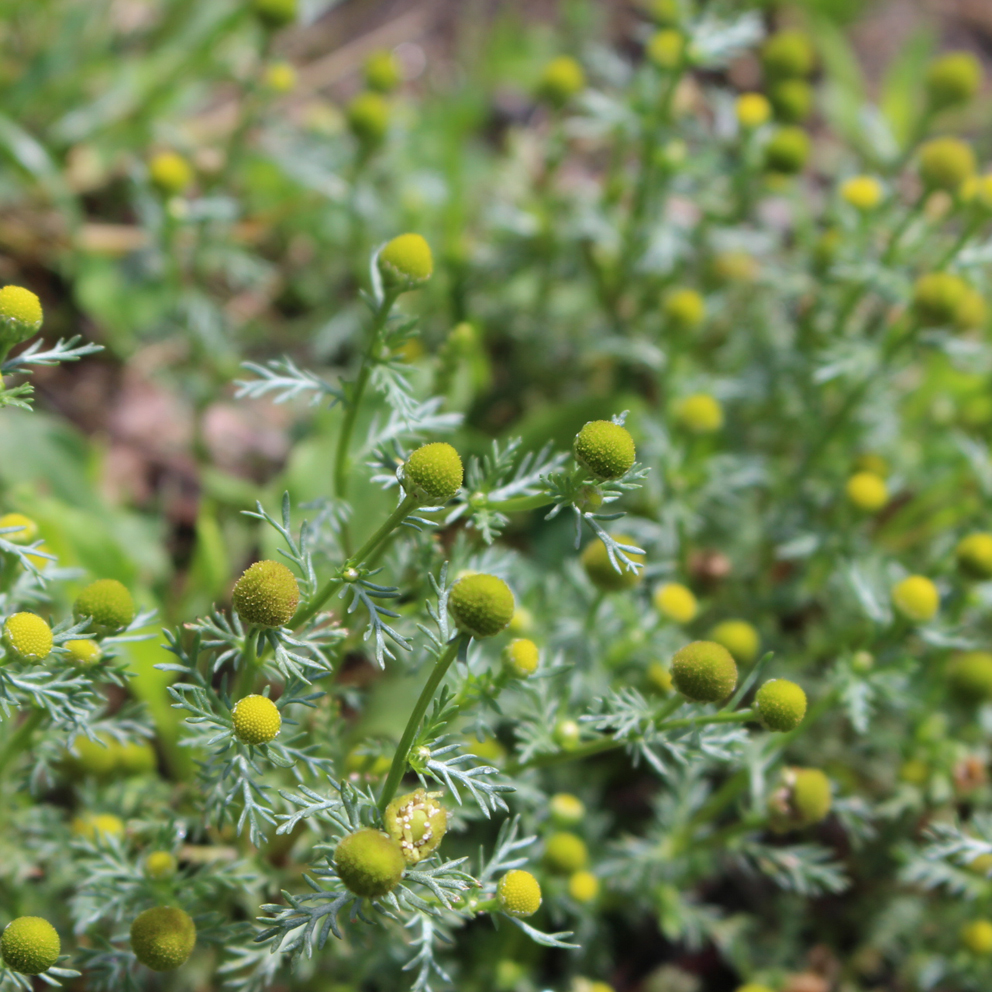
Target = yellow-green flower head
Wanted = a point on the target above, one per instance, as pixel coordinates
(565, 852)
(368, 118)
(266, 595)
(383, 72)
(864, 193)
(916, 598)
(30, 945)
(754, 987)
(700, 413)
(675, 601)
(734, 266)
(739, 637)
(417, 822)
(163, 937)
(753, 110)
(787, 55)
(518, 893)
(406, 261)
(977, 937)
(108, 604)
(481, 605)
(522, 622)
(787, 151)
(137, 758)
(792, 100)
(280, 77)
(567, 734)
(802, 799)
(521, 657)
(561, 80)
(970, 676)
(596, 562)
(781, 704)
(945, 163)
(566, 810)
(99, 757)
(275, 14)
(953, 79)
(28, 636)
(92, 826)
(83, 652)
(867, 491)
(981, 865)
(606, 450)
(704, 672)
(663, 12)
(583, 886)
(915, 772)
(160, 865)
(27, 532)
(937, 297)
(974, 555)
(659, 678)
(433, 472)
(684, 309)
(972, 312)
(256, 720)
(20, 315)
(666, 49)
(977, 191)
(369, 862)
(170, 172)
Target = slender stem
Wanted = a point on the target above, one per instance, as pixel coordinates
(967, 231)
(736, 716)
(518, 504)
(398, 767)
(21, 738)
(249, 668)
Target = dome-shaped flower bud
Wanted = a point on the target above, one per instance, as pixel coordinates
(28, 636)
(937, 297)
(417, 822)
(433, 472)
(684, 309)
(602, 574)
(266, 595)
(30, 945)
(583, 886)
(566, 810)
(792, 100)
(561, 80)
(970, 676)
(521, 657)
(518, 893)
(368, 118)
(20, 315)
(659, 678)
(522, 622)
(945, 163)
(802, 799)
(916, 598)
(275, 14)
(787, 151)
(137, 758)
(170, 172)
(663, 12)
(567, 734)
(675, 601)
(704, 672)
(781, 704)
(753, 110)
(27, 529)
(867, 491)
(565, 852)
(369, 862)
(280, 77)
(974, 555)
(383, 71)
(972, 312)
(92, 826)
(163, 937)
(481, 605)
(107, 603)
(606, 450)
(953, 79)
(97, 758)
(787, 55)
(864, 193)
(700, 413)
(256, 720)
(406, 261)
(977, 937)
(160, 865)
(739, 637)
(666, 49)
(83, 652)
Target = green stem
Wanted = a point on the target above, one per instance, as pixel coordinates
(249, 668)
(398, 767)
(969, 229)
(519, 504)
(21, 738)
(737, 716)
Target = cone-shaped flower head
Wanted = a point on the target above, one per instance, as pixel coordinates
(256, 720)
(83, 652)
(977, 937)
(566, 810)
(519, 893)
(583, 886)
(953, 79)
(970, 676)
(867, 491)
(368, 118)
(666, 49)
(369, 862)
(787, 55)
(383, 72)
(937, 297)
(107, 602)
(266, 595)
(792, 100)
(787, 151)
(481, 605)
(521, 657)
(739, 638)
(602, 574)
(565, 852)
(675, 601)
(916, 598)
(28, 636)
(974, 555)
(406, 261)
(704, 671)
(753, 110)
(417, 822)
(27, 529)
(562, 79)
(433, 472)
(945, 163)
(275, 14)
(781, 704)
(864, 193)
(700, 413)
(280, 77)
(170, 172)
(802, 799)
(163, 937)
(20, 315)
(161, 865)
(30, 945)
(92, 826)
(605, 449)
(684, 309)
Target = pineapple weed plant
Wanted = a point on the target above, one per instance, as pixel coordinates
(748, 718)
